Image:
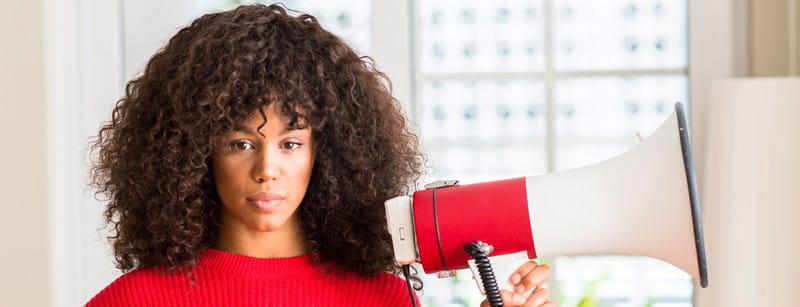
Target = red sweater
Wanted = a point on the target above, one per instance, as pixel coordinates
(226, 279)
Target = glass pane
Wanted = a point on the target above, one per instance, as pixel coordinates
(622, 281)
(620, 34)
(598, 117)
(347, 19)
(480, 36)
(496, 110)
(484, 129)
(486, 162)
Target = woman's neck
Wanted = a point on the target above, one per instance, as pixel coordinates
(288, 241)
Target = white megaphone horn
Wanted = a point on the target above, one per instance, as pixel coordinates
(643, 202)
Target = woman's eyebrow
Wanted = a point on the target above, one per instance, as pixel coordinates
(244, 129)
(248, 130)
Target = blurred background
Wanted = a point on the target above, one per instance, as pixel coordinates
(495, 89)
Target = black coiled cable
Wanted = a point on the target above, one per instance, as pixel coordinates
(476, 250)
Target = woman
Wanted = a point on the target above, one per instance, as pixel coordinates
(248, 166)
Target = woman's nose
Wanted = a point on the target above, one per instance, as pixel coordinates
(266, 167)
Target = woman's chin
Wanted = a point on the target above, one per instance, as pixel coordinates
(274, 223)
(268, 226)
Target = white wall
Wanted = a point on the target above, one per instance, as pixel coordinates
(716, 51)
(23, 222)
(775, 34)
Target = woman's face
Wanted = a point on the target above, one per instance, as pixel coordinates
(261, 179)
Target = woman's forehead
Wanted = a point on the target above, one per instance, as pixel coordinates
(275, 116)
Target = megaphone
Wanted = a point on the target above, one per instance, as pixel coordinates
(643, 202)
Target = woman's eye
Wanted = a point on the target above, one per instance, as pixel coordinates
(241, 145)
(291, 145)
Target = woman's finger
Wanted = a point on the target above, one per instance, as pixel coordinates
(534, 279)
(539, 297)
(511, 298)
(523, 270)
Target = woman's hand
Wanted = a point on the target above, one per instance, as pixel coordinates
(527, 280)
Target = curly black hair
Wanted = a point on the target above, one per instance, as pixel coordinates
(153, 156)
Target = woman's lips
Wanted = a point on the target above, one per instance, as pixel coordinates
(265, 205)
(265, 201)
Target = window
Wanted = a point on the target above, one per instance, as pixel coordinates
(349, 19)
(524, 87)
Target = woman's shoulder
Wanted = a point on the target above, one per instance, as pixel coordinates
(395, 290)
(137, 287)
(390, 279)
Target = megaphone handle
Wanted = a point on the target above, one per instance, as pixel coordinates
(502, 266)
(479, 251)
